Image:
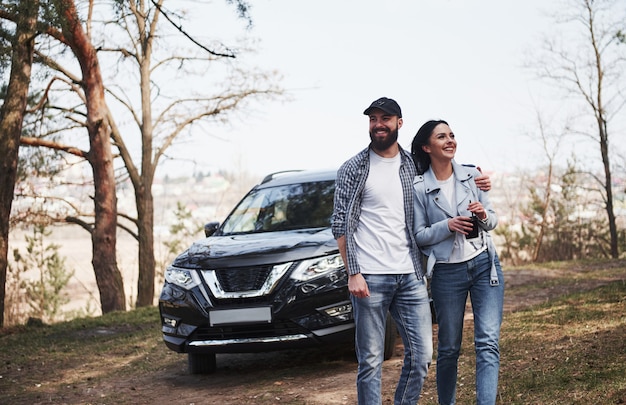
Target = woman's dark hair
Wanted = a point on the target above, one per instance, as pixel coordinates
(421, 158)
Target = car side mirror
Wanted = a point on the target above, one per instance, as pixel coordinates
(210, 228)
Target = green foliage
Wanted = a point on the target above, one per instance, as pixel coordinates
(508, 248)
(6, 36)
(565, 226)
(5, 61)
(183, 231)
(243, 10)
(43, 292)
(573, 233)
(36, 164)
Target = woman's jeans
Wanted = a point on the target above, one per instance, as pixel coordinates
(450, 286)
(406, 298)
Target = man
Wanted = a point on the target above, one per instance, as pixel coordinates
(373, 225)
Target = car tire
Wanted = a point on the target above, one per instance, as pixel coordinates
(390, 337)
(202, 363)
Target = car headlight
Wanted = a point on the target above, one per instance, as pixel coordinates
(184, 278)
(308, 269)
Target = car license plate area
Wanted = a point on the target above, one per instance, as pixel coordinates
(240, 315)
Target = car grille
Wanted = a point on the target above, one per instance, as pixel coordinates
(244, 282)
(243, 279)
(246, 331)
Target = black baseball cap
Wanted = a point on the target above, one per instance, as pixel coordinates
(387, 105)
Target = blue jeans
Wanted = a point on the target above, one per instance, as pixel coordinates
(450, 286)
(406, 299)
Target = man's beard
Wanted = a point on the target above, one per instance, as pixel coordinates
(384, 143)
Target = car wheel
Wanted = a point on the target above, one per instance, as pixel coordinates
(203, 363)
(390, 337)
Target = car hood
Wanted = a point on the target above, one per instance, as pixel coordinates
(257, 249)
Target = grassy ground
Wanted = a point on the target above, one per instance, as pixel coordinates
(569, 349)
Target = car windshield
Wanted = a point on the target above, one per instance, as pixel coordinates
(281, 208)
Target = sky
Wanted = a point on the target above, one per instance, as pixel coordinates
(458, 60)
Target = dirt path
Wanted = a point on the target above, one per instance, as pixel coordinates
(525, 287)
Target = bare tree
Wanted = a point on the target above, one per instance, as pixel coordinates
(160, 115)
(591, 70)
(11, 119)
(550, 146)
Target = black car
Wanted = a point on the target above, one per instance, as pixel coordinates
(269, 277)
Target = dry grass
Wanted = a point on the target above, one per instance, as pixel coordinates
(568, 351)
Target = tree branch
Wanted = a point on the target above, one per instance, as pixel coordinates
(180, 29)
(32, 141)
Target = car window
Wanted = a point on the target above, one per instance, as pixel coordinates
(280, 208)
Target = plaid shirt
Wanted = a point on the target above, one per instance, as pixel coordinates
(350, 183)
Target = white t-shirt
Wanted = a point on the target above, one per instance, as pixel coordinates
(381, 236)
(464, 249)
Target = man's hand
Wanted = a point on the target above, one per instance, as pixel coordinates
(358, 286)
(483, 182)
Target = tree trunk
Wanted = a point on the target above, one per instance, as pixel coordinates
(608, 187)
(11, 119)
(143, 185)
(544, 215)
(100, 157)
(601, 117)
(145, 227)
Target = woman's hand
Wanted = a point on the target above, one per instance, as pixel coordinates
(477, 208)
(463, 224)
(460, 224)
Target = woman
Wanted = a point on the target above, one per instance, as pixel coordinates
(447, 204)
